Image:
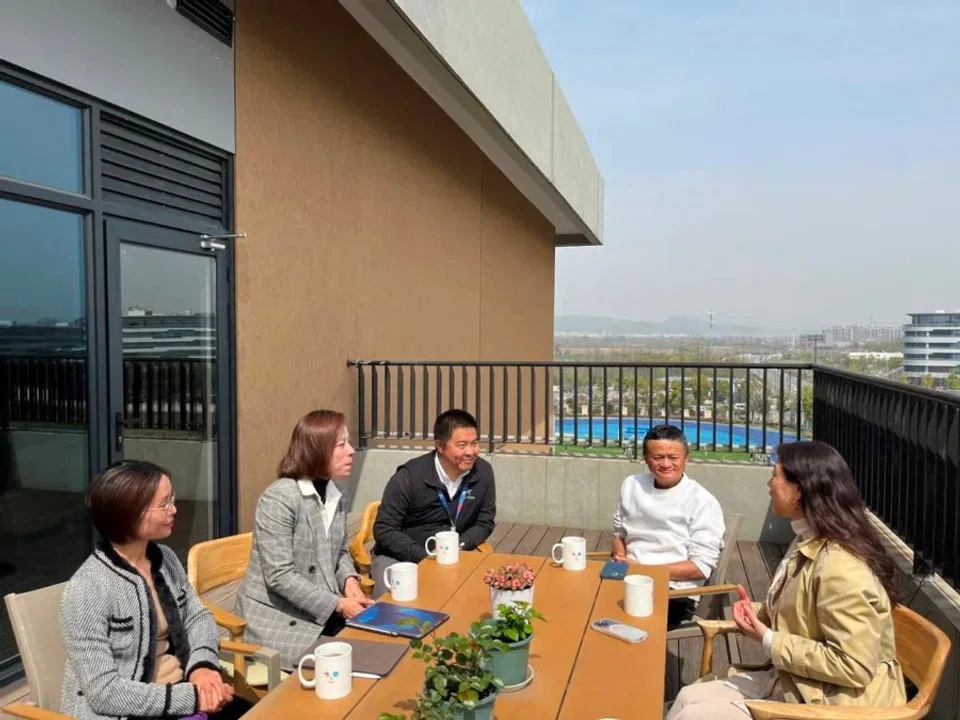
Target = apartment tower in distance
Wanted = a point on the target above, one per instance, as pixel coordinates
(931, 345)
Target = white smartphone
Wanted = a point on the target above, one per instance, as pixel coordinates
(617, 629)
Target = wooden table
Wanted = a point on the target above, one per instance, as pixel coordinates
(580, 674)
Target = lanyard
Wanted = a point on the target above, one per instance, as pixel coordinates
(446, 506)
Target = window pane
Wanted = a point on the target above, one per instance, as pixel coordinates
(41, 140)
(44, 532)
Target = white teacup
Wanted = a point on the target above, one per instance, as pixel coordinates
(333, 665)
(401, 578)
(638, 595)
(573, 553)
(446, 547)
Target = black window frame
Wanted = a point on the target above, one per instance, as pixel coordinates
(95, 211)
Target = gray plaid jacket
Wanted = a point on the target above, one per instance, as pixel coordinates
(297, 571)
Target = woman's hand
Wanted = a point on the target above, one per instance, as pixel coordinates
(350, 606)
(746, 618)
(352, 589)
(212, 692)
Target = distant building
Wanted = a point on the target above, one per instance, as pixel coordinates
(931, 345)
(145, 336)
(858, 334)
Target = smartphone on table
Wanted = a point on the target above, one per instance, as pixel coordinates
(619, 630)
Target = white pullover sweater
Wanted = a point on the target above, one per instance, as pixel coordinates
(667, 526)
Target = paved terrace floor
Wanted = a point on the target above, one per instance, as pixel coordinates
(753, 565)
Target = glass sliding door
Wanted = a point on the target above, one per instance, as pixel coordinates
(167, 303)
(44, 418)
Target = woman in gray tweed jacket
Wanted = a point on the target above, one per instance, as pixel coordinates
(139, 641)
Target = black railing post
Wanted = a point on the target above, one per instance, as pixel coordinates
(699, 403)
(714, 411)
(763, 402)
(590, 405)
(620, 406)
(636, 410)
(413, 401)
(576, 406)
(374, 399)
(400, 400)
(506, 405)
(425, 421)
(747, 412)
(361, 413)
(605, 404)
(491, 437)
(683, 399)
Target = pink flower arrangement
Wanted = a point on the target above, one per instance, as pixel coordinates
(513, 576)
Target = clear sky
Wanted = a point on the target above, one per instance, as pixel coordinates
(789, 164)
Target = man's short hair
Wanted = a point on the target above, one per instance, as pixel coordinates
(120, 495)
(665, 432)
(452, 420)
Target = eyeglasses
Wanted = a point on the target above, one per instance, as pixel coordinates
(167, 506)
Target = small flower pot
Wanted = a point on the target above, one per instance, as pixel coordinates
(508, 597)
(483, 710)
(511, 666)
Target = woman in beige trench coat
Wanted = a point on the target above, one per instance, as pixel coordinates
(826, 623)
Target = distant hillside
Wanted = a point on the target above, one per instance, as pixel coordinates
(595, 325)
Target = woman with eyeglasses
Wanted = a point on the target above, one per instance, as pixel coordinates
(139, 641)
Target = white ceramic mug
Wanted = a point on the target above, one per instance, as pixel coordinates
(401, 579)
(573, 553)
(446, 547)
(332, 668)
(638, 595)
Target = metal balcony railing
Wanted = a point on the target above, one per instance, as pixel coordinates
(902, 442)
(734, 408)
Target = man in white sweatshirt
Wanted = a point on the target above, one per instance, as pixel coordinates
(667, 518)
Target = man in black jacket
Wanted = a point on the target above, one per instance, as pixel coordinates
(448, 488)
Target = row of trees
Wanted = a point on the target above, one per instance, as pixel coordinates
(660, 395)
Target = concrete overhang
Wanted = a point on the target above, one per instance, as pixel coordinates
(480, 61)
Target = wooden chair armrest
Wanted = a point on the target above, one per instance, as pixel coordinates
(361, 557)
(599, 554)
(32, 712)
(367, 585)
(263, 655)
(485, 548)
(764, 710)
(706, 590)
(227, 620)
(712, 628)
(237, 646)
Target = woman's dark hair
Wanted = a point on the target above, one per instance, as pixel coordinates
(311, 445)
(833, 506)
(665, 432)
(120, 495)
(451, 420)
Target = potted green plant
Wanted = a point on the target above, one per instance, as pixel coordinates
(514, 629)
(458, 683)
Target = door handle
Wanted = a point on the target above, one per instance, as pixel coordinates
(118, 431)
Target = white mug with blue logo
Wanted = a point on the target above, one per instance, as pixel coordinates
(446, 547)
(573, 553)
(401, 578)
(332, 668)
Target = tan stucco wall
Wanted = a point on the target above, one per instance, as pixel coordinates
(375, 228)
